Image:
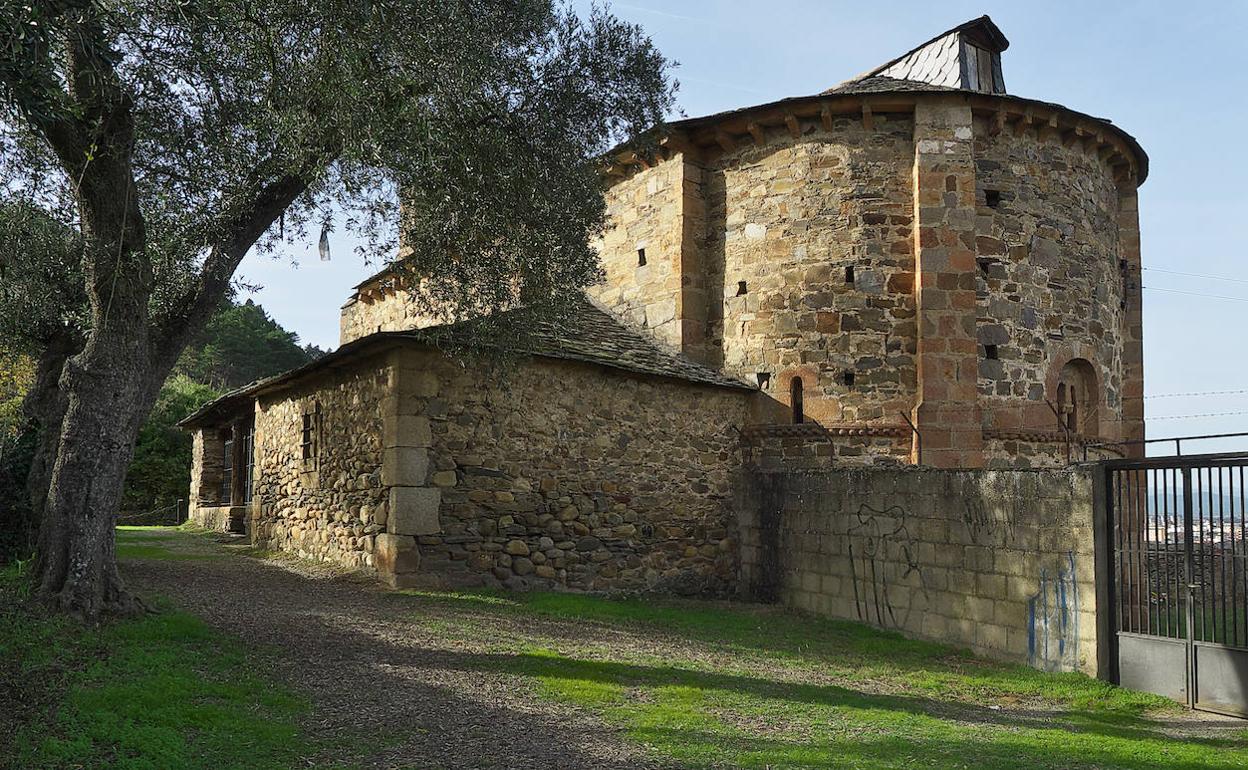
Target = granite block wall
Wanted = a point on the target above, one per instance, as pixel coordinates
(998, 561)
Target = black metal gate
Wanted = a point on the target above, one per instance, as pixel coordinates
(1179, 577)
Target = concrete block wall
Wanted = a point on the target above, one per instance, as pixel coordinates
(1001, 562)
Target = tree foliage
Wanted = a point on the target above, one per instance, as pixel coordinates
(239, 345)
(165, 139)
(17, 375)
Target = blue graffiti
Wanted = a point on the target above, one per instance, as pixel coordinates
(1053, 620)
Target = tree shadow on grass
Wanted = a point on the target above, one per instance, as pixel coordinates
(771, 635)
(879, 751)
(819, 695)
(367, 646)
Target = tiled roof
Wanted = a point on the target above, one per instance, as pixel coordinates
(588, 334)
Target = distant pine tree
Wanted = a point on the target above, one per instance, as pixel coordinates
(239, 345)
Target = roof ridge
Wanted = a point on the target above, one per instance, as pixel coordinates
(984, 22)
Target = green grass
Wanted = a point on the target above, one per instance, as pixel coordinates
(160, 543)
(162, 691)
(724, 686)
(707, 685)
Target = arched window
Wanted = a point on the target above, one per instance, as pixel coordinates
(795, 398)
(1077, 398)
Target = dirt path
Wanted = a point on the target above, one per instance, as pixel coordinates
(379, 684)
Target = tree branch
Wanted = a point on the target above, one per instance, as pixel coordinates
(239, 230)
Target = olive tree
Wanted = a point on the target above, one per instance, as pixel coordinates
(169, 138)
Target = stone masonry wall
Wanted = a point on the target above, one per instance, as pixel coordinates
(788, 218)
(207, 466)
(1001, 562)
(565, 475)
(333, 509)
(1050, 284)
(646, 211)
(395, 311)
(206, 508)
(811, 446)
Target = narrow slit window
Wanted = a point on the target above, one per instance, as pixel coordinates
(309, 437)
(848, 379)
(641, 257)
(991, 352)
(849, 274)
(795, 397)
(992, 198)
(742, 290)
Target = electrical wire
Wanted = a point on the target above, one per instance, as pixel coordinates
(1199, 393)
(1193, 416)
(1195, 293)
(1195, 275)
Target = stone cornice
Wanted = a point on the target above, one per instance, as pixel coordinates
(727, 131)
(1033, 436)
(815, 430)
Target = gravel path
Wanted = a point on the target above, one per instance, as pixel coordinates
(384, 691)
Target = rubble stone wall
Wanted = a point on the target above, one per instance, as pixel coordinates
(790, 219)
(564, 475)
(645, 214)
(333, 508)
(811, 446)
(1051, 286)
(395, 311)
(207, 467)
(1001, 562)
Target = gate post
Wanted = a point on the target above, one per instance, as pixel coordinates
(1103, 565)
(1189, 575)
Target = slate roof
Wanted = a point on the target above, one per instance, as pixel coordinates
(882, 84)
(935, 61)
(592, 335)
(589, 334)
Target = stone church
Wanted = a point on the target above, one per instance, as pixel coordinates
(913, 267)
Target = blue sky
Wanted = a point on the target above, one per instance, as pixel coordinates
(1171, 75)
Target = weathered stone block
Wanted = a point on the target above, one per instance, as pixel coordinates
(516, 548)
(407, 430)
(396, 554)
(405, 466)
(414, 510)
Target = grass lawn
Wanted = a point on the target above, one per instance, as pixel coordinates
(705, 685)
(724, 686)
(162, 691)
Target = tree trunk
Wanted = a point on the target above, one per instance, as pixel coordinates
(44, 410)
(109, 391)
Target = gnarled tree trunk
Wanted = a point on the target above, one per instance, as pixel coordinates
(109, 389)
(44, 411)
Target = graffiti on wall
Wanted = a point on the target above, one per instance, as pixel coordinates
(884, 566)
(1053, 619)
(992, 527)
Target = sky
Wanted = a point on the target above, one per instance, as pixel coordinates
(1171, 75)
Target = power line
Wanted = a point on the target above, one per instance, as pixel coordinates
(1195, 294)
(1195, 275)
(1193, 416)
(1199, 393)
